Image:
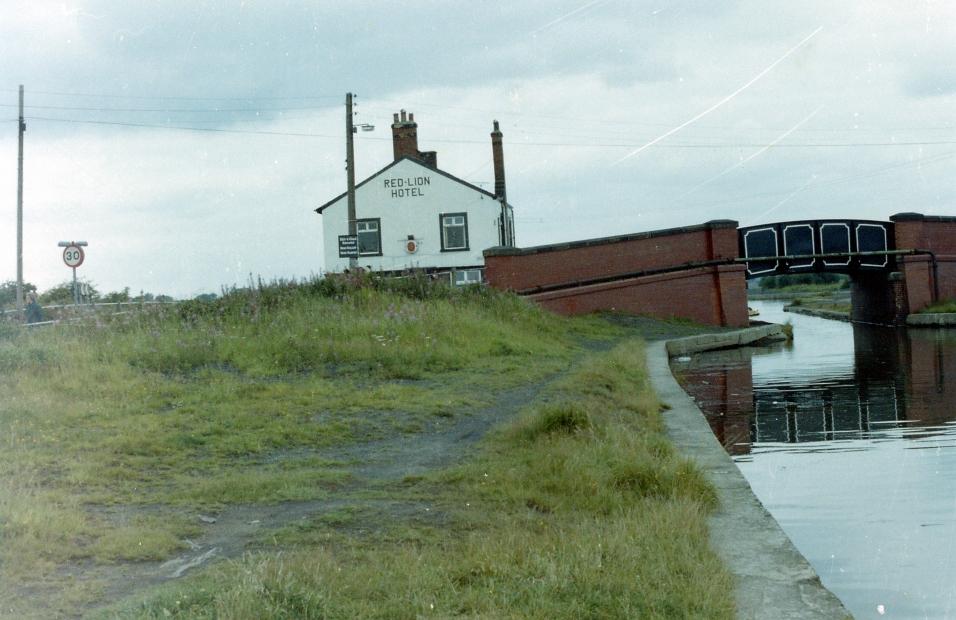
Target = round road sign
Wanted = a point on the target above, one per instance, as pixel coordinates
(73, 256)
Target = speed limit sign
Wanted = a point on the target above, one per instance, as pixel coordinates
(73, 256)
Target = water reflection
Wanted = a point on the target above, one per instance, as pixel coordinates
(848, 437)
(832, 389)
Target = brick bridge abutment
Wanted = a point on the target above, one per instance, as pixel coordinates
(691, 273)
(679, 272)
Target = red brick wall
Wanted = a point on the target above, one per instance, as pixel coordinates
(929, 358)
(938, 235)
(714, 295)
(524, 268)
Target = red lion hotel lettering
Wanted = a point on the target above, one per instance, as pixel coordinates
(412, 215)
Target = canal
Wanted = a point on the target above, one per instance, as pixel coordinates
(848, 437)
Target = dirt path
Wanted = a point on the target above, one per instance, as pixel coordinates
(375, 464)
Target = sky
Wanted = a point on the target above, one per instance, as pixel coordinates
(189, 141)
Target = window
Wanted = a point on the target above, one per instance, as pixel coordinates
(454, 232)
(369, 237)
(467, 276)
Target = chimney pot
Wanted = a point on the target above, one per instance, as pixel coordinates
(498, 159)
(405, 137)
(395, 117)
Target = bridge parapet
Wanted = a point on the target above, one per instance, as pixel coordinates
(842, 246)
(698, 272)
(534, 268)
(678, 272)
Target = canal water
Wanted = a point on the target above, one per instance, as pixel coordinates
(848, 437)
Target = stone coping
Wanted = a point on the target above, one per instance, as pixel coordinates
(570, 245)
(947, 319)
(725, 340)
(919, 217)
(773, 580)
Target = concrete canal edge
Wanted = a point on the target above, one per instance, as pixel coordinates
(773, 580)
(931, 320)
(833, 315)
(940, 319)
(725, 340)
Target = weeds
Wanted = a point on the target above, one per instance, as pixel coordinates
(578, 509)
(788, 329)
(943, 306)
(175, 410)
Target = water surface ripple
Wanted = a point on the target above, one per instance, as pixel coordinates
(848, 437)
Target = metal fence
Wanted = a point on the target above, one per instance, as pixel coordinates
(56, 313)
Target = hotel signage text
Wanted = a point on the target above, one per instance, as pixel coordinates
(406, 187)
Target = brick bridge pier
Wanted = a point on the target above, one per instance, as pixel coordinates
(700, 272)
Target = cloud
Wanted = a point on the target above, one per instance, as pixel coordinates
(172, 212)
(932, 81)
(179, 211)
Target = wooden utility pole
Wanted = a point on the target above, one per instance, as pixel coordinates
(22, 128)
(350, 172)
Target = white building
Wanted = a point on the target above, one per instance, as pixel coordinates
(411, 215)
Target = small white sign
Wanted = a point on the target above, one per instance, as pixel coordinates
(73, 256)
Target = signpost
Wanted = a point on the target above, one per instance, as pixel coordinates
(348, 246)
(73, 256)
(351, 129)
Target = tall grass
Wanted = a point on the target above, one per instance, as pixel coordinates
(392, 329)
(579, 509)
(188, 408)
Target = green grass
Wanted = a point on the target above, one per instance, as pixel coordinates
(822, 303)
(578, 509)
(115, 434)
(192, 408)
(943, 306)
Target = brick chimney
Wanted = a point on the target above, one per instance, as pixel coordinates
(405, 140)
(404, 136)
(498, 157)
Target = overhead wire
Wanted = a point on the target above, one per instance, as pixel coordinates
(175, 127)
(677, 145)
(164, 110)
(616, 124)
(873, 173)
(597, 138)
(579, 120)
(584, 127)
(173, 97)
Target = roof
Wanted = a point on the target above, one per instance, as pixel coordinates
(415, 161)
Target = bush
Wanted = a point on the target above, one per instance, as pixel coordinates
(8, 292)
(62, 293)
(803, 279)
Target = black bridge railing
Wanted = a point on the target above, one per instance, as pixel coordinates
(809, 246)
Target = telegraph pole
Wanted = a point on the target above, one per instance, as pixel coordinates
(22, 128)
(350, 172)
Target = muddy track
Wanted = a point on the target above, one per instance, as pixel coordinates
(237, 529)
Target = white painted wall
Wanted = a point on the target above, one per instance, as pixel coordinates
(413, 214)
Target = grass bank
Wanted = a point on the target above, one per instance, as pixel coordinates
(120, 436)
(830, 297)
(840, 305)
(944, 306)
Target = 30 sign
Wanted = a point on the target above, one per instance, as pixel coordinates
(73, 256)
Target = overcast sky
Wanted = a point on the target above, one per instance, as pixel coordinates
(618, 116)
